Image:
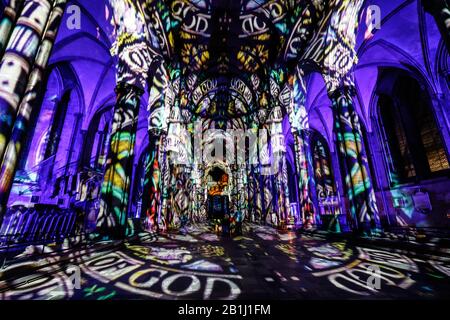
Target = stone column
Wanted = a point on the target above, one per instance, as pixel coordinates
(241, 192)
(157, 132)
(278, 146)
(267, 195)
(29, 102)
(285, 189)
(312, 192)
(254, 186)
(8, 21)
(340, 188)
(354, 163)
(264, 179)
(196, 192)
(16, 64)
(200, 205)
(165, 184)
(234, 192)
(250, 198)
(177, 153)
(440, 9)
(319, 177)
(258, 195)
(112, 218)
(153, 180)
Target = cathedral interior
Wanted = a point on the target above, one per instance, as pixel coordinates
(224, 149)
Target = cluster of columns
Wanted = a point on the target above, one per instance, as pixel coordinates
(348, 138)
(9, 18)
(135, 60)
(241, 186)
(180, 164)
(268, 195)
(112, 217)
(166, 185)
(27, 34)
(322, 170)
(353, 157)
(197, 176)
(174, 178)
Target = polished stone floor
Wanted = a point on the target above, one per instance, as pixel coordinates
(261, 264)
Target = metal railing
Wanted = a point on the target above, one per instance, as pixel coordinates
(25, 227)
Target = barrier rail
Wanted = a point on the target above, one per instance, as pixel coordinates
(24, 227)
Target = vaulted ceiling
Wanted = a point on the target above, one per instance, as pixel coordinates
(399, 42)
(226, 51)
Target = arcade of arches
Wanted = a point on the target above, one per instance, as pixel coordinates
(159, 115)
(224, 149)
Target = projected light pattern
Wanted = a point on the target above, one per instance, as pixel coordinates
(325, 187)
(17, 62)
(184, 91)
(15, 67)
(131, 45)
(8, 21)
(29, 101)
(261, 264)
(351, 148)
(241, 140)
(298, 119)
(112, 217)
(154, 191)
(207, 65)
